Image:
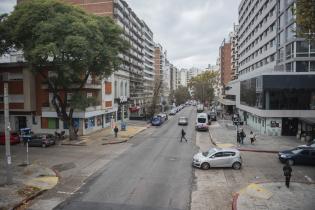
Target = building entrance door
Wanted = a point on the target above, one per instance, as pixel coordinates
(21, 122)
(289, 126)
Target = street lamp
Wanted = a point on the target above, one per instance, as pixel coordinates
(7, 127)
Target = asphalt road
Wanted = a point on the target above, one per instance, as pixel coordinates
(155, 173)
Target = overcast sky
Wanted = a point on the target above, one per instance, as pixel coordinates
(190, 30)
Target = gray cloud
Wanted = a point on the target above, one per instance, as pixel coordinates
(7, 6)
(190, 30)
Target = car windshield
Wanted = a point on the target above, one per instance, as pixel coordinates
(209, 152)
(201, 120)
(182, 118)
(296, 150)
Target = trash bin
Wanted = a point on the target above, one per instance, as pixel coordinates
(123, 126)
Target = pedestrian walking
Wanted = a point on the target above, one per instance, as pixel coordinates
(287, 170)
(183, 135)
(252, 137)
(238, 137)
(116, 131)
(243, 135)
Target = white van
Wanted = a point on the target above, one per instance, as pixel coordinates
(202, 122)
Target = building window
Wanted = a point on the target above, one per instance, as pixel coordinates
(312, 66)
(121, 89)
(288, 67)
(49, 123)
(116, 90)
(301, 66)
(126, 89)
(302, 49)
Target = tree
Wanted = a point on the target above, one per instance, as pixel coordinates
(202, 86)
(69, 43)
(181, 95)
(305, 19)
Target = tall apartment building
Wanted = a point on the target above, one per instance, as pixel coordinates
(159, 62)
(225, 62)
(129, 79)
(234, 52)
(275, 89)
(183, 77)
(149, 72)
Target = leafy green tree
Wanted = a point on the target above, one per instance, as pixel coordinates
(181, 95)
(71, 44)
(305, 19)
(202, 86)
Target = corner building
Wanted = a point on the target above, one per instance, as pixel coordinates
(275, 89)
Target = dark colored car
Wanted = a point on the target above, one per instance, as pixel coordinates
(212, 116)
(14, 138)
(298, 155)
(157, 120)
(42, 140)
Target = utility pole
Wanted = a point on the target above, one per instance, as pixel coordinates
(7, 128)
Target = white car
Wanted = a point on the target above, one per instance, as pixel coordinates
(218, 157)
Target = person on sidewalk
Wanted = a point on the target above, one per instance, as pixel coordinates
(243, 135)
(238, 137)
(116, 131)
(252, 137)
(287, 170)
(183, 135)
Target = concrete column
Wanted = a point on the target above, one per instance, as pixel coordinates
(267, 100)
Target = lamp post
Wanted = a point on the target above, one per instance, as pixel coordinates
(7, 128)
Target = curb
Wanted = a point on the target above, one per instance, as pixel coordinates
(32, 197)
(234, 201)
(116, 142)
(256, 150)
(211, 139)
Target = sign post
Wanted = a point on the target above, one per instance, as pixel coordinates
(7, 130)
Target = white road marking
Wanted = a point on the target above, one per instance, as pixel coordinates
(309, 179)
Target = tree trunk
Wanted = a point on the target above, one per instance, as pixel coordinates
(72, 130)
(72, 133)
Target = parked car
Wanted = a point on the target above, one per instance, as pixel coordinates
(212, 116)
(218, 157)
(298, 155)
(157, 120)
(173, 112)
(309, 144)
(42, 140)
(183, 121)
(202, 122)
(163, 115)
(14, 138)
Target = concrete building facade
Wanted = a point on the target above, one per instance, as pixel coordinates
(275, 89)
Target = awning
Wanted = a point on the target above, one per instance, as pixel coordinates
(227, 102)
(310, 121)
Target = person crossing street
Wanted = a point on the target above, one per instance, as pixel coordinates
(183, 135)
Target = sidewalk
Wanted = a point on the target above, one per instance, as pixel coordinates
(223, 134)
(108, 136)
(272, 196)
(28, 182)
(74, 161)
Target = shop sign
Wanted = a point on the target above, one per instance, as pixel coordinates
(123, 99)
(274, 124)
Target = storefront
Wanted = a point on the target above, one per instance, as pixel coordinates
(306, 129)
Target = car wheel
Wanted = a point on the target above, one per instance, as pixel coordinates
(237, 165)
(44, 145)
(291, 162)
(205, 166)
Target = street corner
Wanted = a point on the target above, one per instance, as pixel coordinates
(275, 195)
(131, 131)
(31, 182)
(40, 177)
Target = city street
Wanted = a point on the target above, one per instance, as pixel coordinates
(155, 173)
